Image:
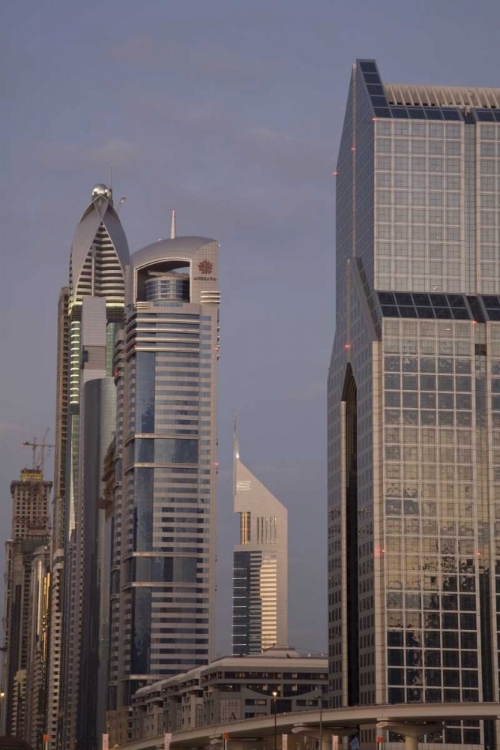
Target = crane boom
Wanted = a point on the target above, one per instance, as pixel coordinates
(39, 460)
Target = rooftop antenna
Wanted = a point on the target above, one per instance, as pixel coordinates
(236, 446)
(236, 450)
(39, 461)
(173, 229)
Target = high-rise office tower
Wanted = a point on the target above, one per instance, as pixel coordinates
(163, 566)
(260, 572)
(58, 534)
(37, 659)
(91, 612)
(98, 257)
(25, 612)
(413, 410)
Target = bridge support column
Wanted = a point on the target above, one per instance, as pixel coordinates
(411, 732)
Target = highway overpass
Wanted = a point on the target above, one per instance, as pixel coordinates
(265, 733)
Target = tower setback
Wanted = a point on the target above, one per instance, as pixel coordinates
(413, 415)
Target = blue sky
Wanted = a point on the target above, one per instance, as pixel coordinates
(230, 113)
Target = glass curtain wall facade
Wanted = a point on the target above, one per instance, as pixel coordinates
(99, 424)
(163, 565)
(99, 255)
(58, 524)
(413, 415)
(260, 567)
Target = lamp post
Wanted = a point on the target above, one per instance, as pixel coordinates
(275, 696)
(2, 711)
(320, 695)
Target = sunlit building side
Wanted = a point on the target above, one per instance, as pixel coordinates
(260, 565)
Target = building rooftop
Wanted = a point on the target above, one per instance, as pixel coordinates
(178, 248)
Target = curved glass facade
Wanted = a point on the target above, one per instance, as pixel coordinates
(174, 287)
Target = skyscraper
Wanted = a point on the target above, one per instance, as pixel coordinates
(413, 410)
(25, 608)
(58, 525)
(163, 566)
(97, 430)
(98, 256)
(260, 570)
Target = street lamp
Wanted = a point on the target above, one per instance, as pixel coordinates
(320, 695)
(275, 696)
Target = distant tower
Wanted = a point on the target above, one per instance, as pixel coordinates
(163, 567)
(260, 580)
(25, 608)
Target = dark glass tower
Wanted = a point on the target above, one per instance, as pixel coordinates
(413, 410)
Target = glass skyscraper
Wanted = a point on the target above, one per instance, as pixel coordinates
(414, 400)
(163, 563)
(99, 254)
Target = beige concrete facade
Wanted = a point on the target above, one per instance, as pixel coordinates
(260, 568)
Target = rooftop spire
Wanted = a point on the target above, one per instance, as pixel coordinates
(236, 446)
(173, 230)
(236, 451)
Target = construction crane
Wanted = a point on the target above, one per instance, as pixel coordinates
(39, 451)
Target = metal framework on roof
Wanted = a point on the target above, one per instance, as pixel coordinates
(442, 96)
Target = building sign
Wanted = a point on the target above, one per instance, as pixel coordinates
(205, 267)
(229, 710)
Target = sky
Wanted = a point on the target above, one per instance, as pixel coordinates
(231, 114)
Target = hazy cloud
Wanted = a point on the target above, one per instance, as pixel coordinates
(7, 428)
(315, 390)
(271, 149)
(207, 63)
(114, 152)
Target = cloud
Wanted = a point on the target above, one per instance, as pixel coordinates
(114, 152)
(210, 63)
(297, 157)
(7, 428)
(313, 391)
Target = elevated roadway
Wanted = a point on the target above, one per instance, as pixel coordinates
(410, 720)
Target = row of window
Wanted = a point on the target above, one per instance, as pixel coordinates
(419, 129)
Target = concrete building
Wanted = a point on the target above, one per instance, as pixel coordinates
(260, 572)
(413, 410)
(25, 607)
(163, 566)
(229, 690)
(98, 257)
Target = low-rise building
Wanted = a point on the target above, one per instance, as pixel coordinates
(230, 689)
